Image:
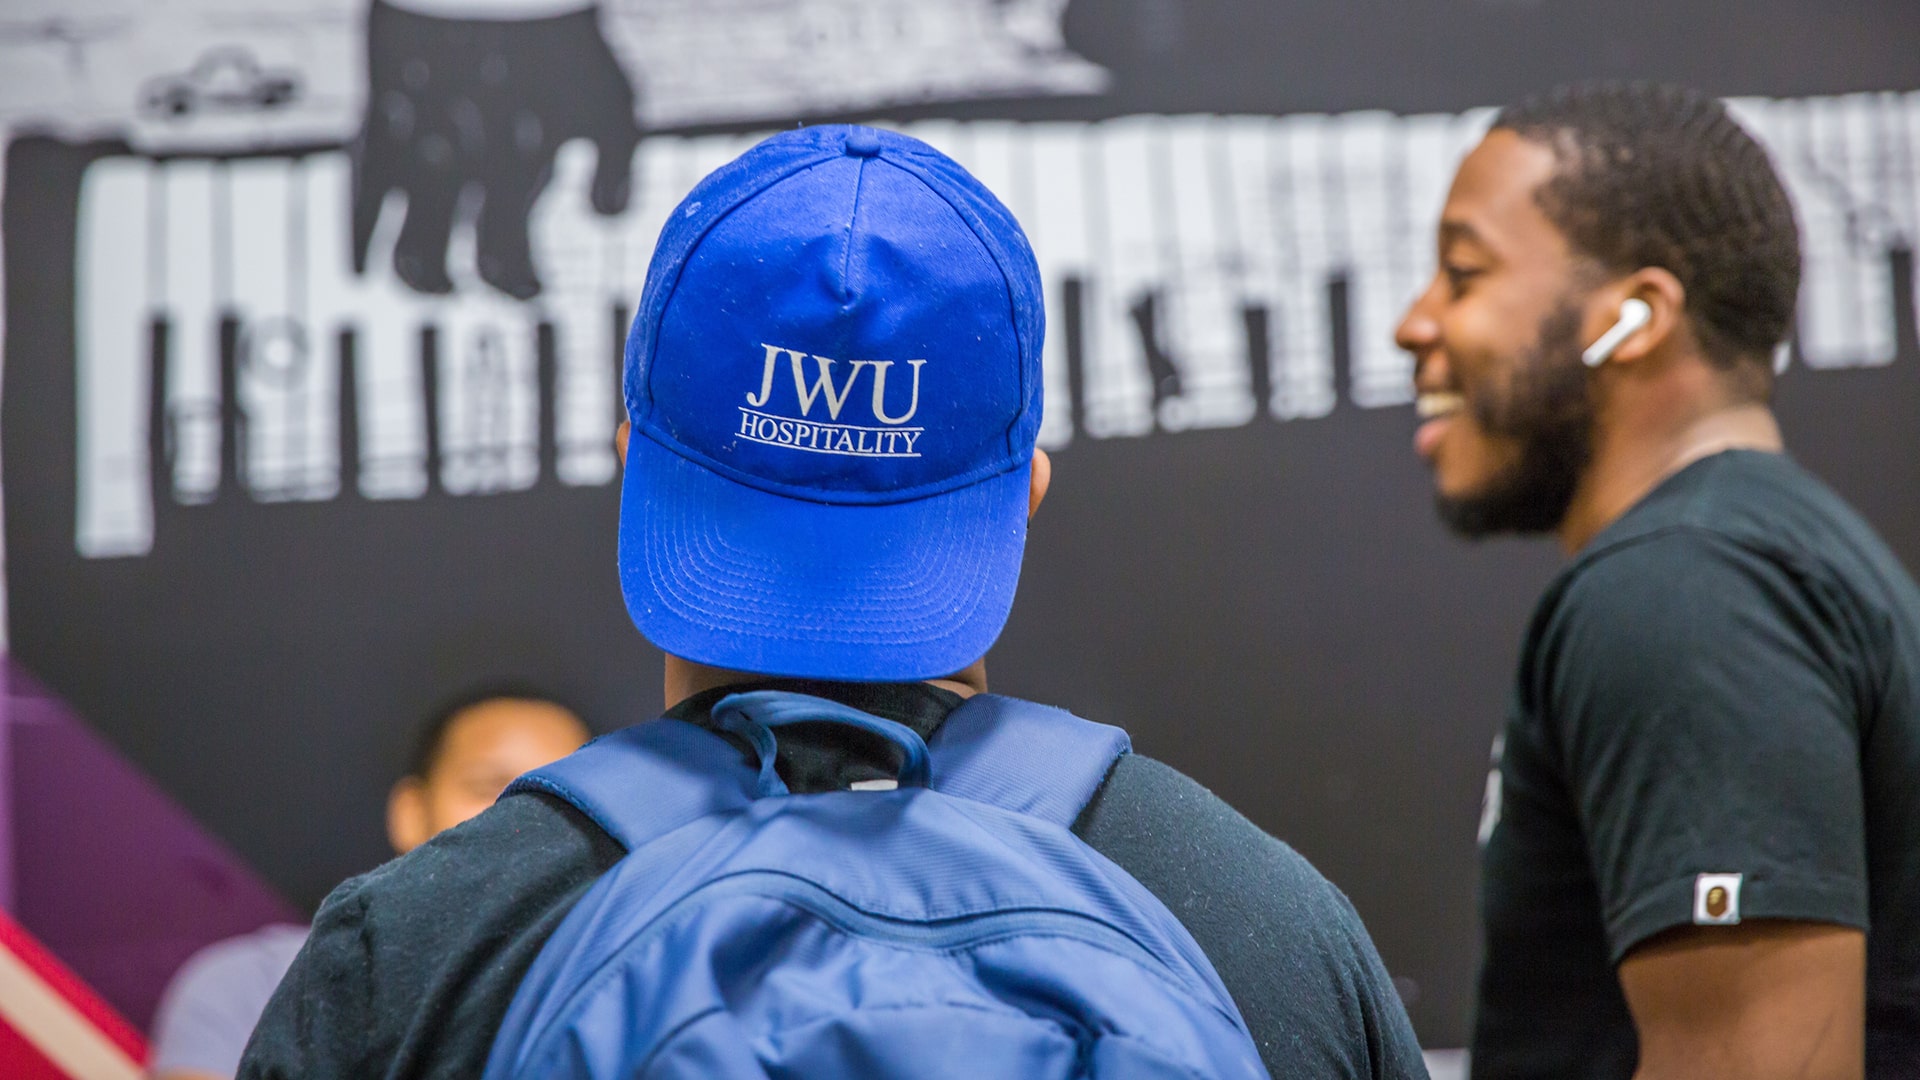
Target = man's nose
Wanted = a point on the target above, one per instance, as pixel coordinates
(1419, 334)
(1419, 330)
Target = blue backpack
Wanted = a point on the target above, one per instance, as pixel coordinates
(950, 927)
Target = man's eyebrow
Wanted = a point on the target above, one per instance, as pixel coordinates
(1453, 230)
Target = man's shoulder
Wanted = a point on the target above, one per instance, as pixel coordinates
(1287, 943)
(1738, 505)
(1734, 537)
(1684, 555)
(527, 842)
(1146, 803)
(411, 965)
(1208, 862)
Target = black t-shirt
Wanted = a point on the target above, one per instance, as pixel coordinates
(1717, 715)
(411, 967)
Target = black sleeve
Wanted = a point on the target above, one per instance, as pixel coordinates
(410, 968)
(1705, 718)
(1287, 944)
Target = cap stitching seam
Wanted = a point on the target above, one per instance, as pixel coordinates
(853, 218)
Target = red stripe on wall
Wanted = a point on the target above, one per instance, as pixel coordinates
(110, 1024)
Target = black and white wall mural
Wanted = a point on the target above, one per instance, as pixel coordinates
(314, 310)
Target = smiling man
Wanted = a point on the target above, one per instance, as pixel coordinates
(1703, 801)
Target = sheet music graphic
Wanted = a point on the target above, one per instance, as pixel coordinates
(1200, 271)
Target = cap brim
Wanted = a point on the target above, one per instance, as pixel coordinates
(729, 575)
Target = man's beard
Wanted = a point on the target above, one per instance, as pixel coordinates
(1547, 410)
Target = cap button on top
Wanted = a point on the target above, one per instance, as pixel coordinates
(863, 142)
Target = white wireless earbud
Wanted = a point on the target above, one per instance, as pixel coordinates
(1634, 316)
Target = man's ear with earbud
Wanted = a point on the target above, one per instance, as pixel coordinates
(1635, 314)
(1651, 307)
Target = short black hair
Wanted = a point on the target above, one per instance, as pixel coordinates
(1659, 175)
(433, 733)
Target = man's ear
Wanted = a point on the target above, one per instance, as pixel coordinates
(407, 815)
(1664, 296)
(620, 440)
(1042, 476)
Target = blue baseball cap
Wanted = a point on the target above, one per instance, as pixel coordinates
(834, 384)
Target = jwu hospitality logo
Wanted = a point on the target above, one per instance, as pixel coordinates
(814, 383)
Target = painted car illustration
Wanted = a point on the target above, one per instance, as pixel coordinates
(223, 80)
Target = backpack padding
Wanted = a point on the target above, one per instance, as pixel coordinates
(645, 781)
(1023, 756)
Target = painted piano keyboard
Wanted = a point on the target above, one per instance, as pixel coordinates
(1201, 271)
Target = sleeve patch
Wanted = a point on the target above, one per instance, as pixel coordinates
(1716, 899)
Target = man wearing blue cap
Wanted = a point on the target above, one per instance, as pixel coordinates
(833, 386)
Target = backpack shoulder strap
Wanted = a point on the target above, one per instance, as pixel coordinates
(1023, 756)
(645, 781)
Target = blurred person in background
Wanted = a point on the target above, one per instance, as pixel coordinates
(1703, 794)
(466, 754)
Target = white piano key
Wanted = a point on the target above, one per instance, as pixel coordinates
(113, 503)
(1857, 148)
(1303, 338)
(316, 408)
(384, 318)
(1200, 309)
(488, 382)
(1246, 184)
(1899, 166)
(1908, 175)
(570, 248)
(1117, 389)
(1845, 317)
(1057, 228)
(286, 368)
(185, 299)
(1890, 162)
(1370, 163)
(489, 388)
(1900, 114)
(1784, 128)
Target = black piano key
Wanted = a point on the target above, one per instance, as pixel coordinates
(1906, 324)
(233, 421)
(547, 390)
(160, 436)
(1258, 322)
(430, 405)
(347, 345)
(1073, 324)
(1339, 314)
(1162, 371)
